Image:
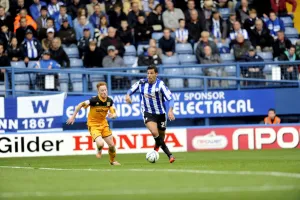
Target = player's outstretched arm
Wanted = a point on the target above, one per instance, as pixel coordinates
(171, 115)
(71, 120)
(131, 91)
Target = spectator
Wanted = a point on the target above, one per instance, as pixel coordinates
(225, 4)
(204, 41)
(95, 17)
(195, 27)
(112, 59)
(91, 7)
(92, 55)
(272, 118)
(15, 9)
(103, 26)
(260, 37)
(4, 62)
(53, 7)
(5, 4)
(249, 23)
(42, 33)
(42, 19)
(125, 33)
(182, 34)
(58, 53)
(191, 6)
(208, 6)
(133, 15)
(142, 31)
(149, 5)
(31, 47)
(111, 39)
(81, 12)
(281, 44)
(298, 49)
(275, 24)
(5, 35)
(35, 8)
(279, 7)
(13, 51)
(47, 42)
(230, 23)
(59, 17)
(152, 43)
(238, 30)
(21, 31)
(241, 48)
(289, 72)
(67, 34)
(167, 43)
(171, 16)
(243, 12)
(217, 27)
(253, 71)
(83, 43)
(72, 9)
(29, 20)
(210, 58)
(116, 16)
(6, 19)
(83, 24)
(151, 58)
(46, 63)
(127, 4)
(155, 19)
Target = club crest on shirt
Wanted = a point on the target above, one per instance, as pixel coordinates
(108, 103)
(97, 103)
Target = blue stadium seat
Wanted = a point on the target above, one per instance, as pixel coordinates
(230, 70)
(225, 12)
(267, 56)
(72, 52)
(64, 82)
(187, 59)
(184, 48)
(20, 88)
(2, 88)
(173, 60)
(18, 64)
(76, 80)
(157, 35)
(291, 32)
(174, 71)
(21, 79)
(294, 40)
(176, 83)
(195, 47)
(195, 83)
(173, 35)
(193, 71)
(76, 63)
(130, 51)
(288, 22)
(95, 79)
(227, 57)
(140, 48)
(31, 64)
(268, 69)
(129, 60)
(231, 83)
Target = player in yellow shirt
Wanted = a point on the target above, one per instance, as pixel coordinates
(97, 123)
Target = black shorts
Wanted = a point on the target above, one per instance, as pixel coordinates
(159, 119)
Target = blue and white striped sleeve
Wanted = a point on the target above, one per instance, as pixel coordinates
(133, 88)
(166, 92)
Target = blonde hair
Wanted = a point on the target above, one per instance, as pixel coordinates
(101, 84)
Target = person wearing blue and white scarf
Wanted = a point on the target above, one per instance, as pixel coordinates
(31, 47)
(181, 33)
(53, 7)
(275, 24)
(238, 30)
(59, 17)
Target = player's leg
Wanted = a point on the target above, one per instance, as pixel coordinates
(95, 132)
(108, 138)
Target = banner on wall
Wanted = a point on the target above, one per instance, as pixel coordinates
(191, 104)
(80, 143)
(34, 113)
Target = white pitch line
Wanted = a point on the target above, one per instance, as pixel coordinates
(263, 188)
(253, 173)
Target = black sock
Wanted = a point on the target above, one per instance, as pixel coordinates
(161, 143)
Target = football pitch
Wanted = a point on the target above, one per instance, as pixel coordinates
(221, 175)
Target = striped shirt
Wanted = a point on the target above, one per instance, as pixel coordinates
(153, 96)
(241, 31)
(182, 34)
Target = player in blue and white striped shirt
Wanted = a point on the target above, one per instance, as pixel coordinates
(154, 93)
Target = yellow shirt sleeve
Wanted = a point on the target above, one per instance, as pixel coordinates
(112, 110)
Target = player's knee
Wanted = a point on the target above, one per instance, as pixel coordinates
(155, 133)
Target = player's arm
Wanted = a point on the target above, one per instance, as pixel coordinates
(168, 96)
(112, 113)
(84, 104)
(131, 91)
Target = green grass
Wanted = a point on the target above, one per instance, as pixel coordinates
(122, 182)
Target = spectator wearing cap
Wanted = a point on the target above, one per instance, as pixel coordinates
(4, 62)
(72, 9)
(204, 41)
(171, 16)
(94, 19)
(167, 43)
(31, 47)
(29, 20)
(149, 5)
(133, 15)
(47, 42)
(195, 27)
(58, 53)
(53, 7)
(238, 30)
(83, 43)
(112, 59)
(142, 31)
(116, 16)
(59, 17)
(83, 24)
(289, 72)
(67, 34)
(21, 31)
(155, 19)
(125, 33)
(279, 7)
(13, 51)
(272, 118)
(253, 71)
(42, 19)
(275, 24)
(260, 37)
(241, 48)
(35, 8)
(113, 40)
(281, 44)
(5, 35)
(217, 27)
(42, 33)
(5, 18)
(92, 57)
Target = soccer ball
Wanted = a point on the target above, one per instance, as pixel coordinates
(152, 156)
